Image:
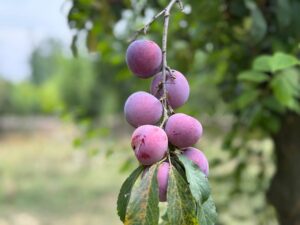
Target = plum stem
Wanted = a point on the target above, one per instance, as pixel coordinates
(166, 106)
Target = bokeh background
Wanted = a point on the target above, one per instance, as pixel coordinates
(64, 144)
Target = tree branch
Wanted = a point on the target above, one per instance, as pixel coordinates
(145, 29)
(166, 106)
(166, 13)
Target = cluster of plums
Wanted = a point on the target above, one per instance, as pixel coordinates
(144, 111)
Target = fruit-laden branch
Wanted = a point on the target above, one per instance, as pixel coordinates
(164, 56)
(166, 13)
(173, 171)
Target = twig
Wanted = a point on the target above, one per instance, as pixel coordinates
(145, 29)
(180, 4)
(169, 158)
(164, 62)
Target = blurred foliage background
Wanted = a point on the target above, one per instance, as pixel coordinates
(242, 61)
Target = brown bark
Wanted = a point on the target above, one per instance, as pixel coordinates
(284, 192)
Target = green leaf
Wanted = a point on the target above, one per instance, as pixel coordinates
(284, 12)
(74, 45)
(143, 206)
(92, 41)
(273, 105)
(125, 192)
(198, 182)
(179, 166)
(262, 63)
(246, 98)
(278, 61)
(286, 89)
(270, 122)
(259, 25)
(282, 61)
(207, 214)
(253, 76)
(181, 205)
(165, 220)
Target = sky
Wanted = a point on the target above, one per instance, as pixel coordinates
(23, 25)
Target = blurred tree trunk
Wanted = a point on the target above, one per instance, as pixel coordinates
(284, 192)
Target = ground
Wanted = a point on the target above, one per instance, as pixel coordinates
(45, 181)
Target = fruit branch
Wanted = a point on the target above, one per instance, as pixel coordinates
(168, 110)
(164, 57)
(145, 29)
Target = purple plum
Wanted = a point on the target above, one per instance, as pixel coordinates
(144, 58)
(162, 179)
(183, 130)
(198, 158)
(142, 108)
(178, 89)
(150, 144)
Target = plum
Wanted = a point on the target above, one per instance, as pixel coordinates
(144, 58)
(183, 130)
(198, 158)
(162, 179)
(178, 89)
(150, 144)
(142, 108)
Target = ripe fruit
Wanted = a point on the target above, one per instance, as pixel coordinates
(150, 144)
(198, 158)
(162, 179)
(144, 58)
(178, 89)
(183, 130)
(142, 108)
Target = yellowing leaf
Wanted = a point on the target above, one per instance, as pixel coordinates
(181, 205)
(143, 206)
